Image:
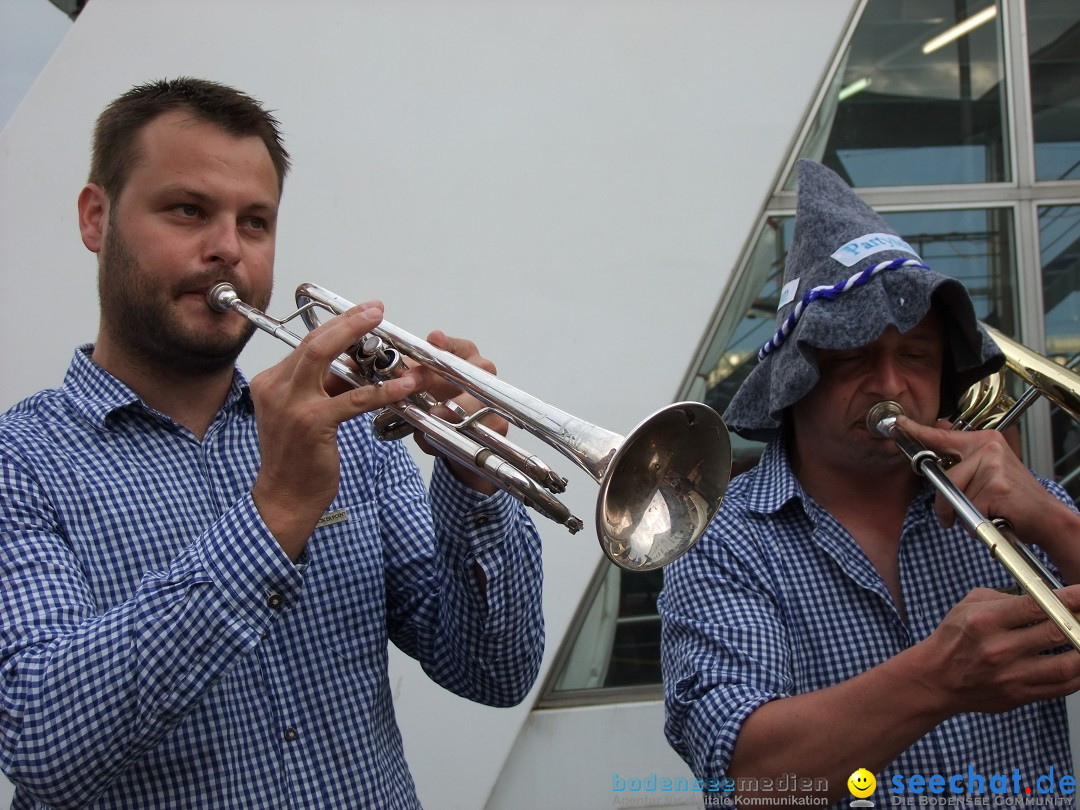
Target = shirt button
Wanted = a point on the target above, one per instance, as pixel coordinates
(480, 520)
(274, 601)
(290, 734)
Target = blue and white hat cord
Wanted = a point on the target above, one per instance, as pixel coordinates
(829, 293)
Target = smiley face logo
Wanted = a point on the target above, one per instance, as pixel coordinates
(861, 783)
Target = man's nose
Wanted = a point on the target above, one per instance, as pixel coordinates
(887, 377)
(223, 244)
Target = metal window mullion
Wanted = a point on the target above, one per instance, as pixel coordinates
(1018, 97)
(1038, 438)
(1038, 435)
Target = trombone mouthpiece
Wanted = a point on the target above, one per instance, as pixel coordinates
(882, 417)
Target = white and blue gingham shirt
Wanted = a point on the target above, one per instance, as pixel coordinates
(157, 647)
(777, 599)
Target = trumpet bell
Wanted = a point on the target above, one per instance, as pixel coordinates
(663, 486)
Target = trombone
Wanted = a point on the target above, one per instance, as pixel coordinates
(987, 406)
(660, 485)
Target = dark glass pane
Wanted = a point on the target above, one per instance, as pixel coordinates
(635, 653)
(903, 110)
(734, 350)
(1059, 246)
(617, 643)
(1054, 45)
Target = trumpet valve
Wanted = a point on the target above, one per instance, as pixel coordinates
(376, 354)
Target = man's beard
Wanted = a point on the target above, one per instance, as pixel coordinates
(142, 317)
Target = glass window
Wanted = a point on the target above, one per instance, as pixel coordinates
(918, 99)
(1054, 45)
(1059, 249)
(733, 350)
(618, 641)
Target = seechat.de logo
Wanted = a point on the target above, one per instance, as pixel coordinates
(861, 784)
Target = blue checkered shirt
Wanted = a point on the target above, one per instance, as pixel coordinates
(766, 605)
(157, 647)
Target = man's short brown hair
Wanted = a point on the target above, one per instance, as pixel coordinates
(115, 136)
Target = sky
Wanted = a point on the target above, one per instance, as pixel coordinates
(30, 30)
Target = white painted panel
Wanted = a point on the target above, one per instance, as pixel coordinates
(593, 757)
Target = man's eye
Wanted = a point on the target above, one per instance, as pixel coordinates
(258, 224)
(188, 210)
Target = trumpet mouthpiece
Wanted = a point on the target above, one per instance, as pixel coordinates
(220, 296)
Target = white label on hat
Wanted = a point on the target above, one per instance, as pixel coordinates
(858, 249)
(787, 295)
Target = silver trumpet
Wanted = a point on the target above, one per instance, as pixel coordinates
(660, 485)
(996, 534)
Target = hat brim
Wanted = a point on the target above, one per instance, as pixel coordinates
(900, 298)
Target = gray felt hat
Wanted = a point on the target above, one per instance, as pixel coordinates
(848, 276)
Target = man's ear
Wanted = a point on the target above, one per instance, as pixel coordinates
(93, 216)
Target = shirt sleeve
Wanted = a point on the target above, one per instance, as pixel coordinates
(85, 691)
(481, 637)
(724, 646)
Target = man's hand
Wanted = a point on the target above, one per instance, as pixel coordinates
(985, 656)
(443, 391)
(997, 483)
(298, 407)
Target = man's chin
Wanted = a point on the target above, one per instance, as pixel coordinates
(200, 357)
(205, 365)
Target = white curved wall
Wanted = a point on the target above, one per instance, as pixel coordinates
(568, 182)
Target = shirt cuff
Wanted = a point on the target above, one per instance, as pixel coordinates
(486, 519)
(251, 571)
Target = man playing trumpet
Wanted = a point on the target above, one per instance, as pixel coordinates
(834, 618)
(200, 576)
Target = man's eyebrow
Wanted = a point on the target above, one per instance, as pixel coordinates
(178, 189)
(181, 190)
(923, 337)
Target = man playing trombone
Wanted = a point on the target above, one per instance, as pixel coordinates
(835, 617)
(200, 576)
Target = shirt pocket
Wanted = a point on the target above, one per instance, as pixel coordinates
(344, 595)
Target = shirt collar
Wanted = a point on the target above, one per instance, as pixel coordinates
(774, 484)
(96, 394)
